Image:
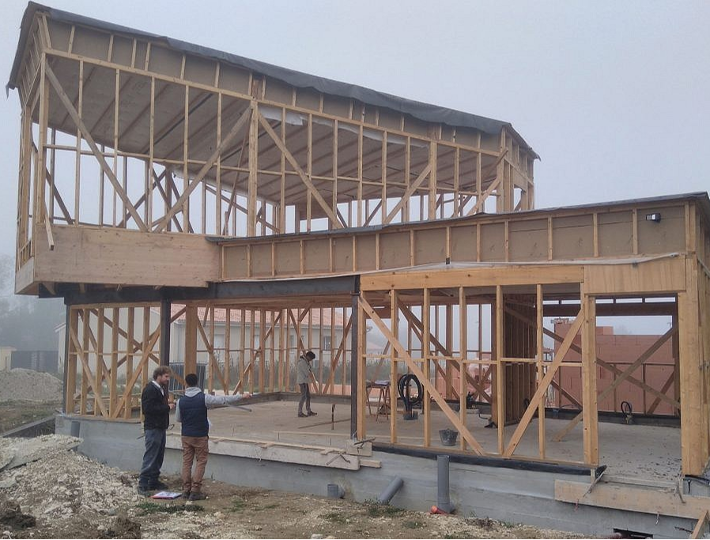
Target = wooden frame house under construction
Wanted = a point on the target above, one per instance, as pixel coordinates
(159, 175)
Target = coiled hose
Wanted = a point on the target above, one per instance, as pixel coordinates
(404, 390)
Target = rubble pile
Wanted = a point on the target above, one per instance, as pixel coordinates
(62, 483)
(26, 385)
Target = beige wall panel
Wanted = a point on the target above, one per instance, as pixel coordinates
(308, 99)
(232, 78)
(430, 246)
(141, 49)
(493, 242)
(122, 51)
(165, 61)
(90, 43)
(288, 259)
(370, 116)
(615, 234)
(278, 91)
(414, 126)
(572, 237)
(664, 237)
(59, 33)
(343, 254)
(24, 278)
(466, 136)
(120, 257)
(394, 250)
(316, 255)
(661, 276)
(527, 240)
(463, 244)
(490, 142)
(365, 251)
(235, 262)
(390, 119)
(336, 105)
(199, 70)
(260, 260)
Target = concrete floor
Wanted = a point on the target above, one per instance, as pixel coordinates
(631, 451)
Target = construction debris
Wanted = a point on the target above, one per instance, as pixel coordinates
(26, 385)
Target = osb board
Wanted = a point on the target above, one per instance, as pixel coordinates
(666, 236)
(288, 258)
(261, 260)
(572, 237)
(615, 232)
(430, 246)
(343, 254)
(366, 253)
(394, 250)
(464, 243)
(493, 242)
(235, 261)
(121, 257)
(660, 276)
(316, 255)
(527, 240)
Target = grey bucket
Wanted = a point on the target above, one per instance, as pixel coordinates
(448, 437)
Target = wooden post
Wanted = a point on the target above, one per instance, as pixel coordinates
(589, 381)
(499, 416)
(394, 318)
(165, 315)
(191, 339)
(694, 447)
(540, 372)
(72, 322)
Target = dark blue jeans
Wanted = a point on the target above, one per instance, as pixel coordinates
(153, 457)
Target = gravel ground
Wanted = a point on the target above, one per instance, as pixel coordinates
(66, 495)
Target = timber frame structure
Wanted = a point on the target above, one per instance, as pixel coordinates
(158, 176)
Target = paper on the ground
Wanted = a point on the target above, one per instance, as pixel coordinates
(166, 495)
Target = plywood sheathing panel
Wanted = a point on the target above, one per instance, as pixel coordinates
(115, 256)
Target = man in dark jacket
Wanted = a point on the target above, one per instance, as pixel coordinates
(192, 412)
(156, 413)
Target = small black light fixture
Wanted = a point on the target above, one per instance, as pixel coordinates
(655, 217)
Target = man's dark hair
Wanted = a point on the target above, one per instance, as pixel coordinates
(161, 370)
(191, 379)
(310, 355)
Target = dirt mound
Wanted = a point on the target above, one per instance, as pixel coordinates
(26, 385)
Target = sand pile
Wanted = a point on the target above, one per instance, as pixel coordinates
(24, 384)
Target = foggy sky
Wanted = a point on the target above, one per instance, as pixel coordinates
(612, 95)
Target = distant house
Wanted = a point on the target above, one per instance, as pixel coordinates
(5, 358)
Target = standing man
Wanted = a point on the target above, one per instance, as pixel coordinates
(156, 413)
(304, 372)
(192, 412)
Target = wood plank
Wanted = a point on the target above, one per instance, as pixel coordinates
(634, 499)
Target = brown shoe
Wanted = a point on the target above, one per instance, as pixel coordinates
(197, 496)
(311, 413)
(301, 415)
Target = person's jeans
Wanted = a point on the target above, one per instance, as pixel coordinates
(196, 448)
(153, 457)
(305, 398)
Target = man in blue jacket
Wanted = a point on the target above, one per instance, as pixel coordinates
(156, 414)
(192, 412)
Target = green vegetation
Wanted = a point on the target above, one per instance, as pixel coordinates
(373, 509)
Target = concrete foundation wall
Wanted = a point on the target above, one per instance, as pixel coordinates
(515, 496)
